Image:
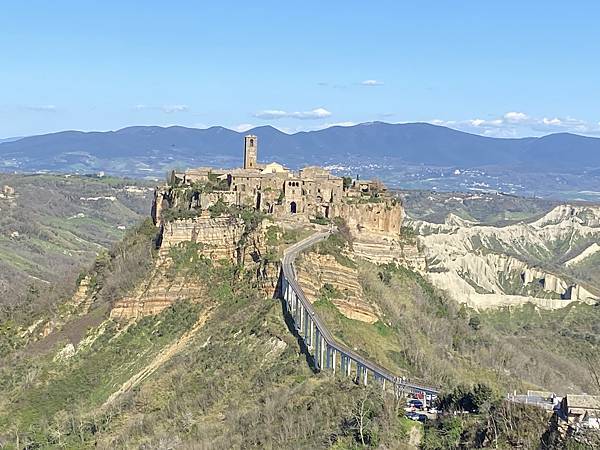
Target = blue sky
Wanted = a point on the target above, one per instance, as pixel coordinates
(502, 68)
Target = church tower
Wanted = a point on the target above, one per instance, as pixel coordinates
(250, 151)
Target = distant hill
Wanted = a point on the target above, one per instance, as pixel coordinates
(53, 225)
(416, 143)
(411, 156)
(11, 139)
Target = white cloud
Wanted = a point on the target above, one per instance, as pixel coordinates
(372, 83)
(476, 122)
(515, 124)
(341, 124)
(556, 122)
(567, 124)
(317, 113)
(175, 108)
(168, 109)
(42, 108)
(331, 124)
(516, 117)
(485, 123)
(243, 127)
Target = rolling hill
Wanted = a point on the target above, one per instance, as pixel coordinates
(411, 155)
(417, 143)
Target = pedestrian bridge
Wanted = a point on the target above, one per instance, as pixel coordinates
(327, 353)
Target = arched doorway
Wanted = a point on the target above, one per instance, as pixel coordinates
(293, 207)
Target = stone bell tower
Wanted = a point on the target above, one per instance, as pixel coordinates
(250, 151)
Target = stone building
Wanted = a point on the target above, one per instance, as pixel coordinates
(580, 410)
(271, 188)
(250, 151)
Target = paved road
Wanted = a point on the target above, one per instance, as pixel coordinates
(288, 270)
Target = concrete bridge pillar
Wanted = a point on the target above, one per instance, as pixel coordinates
(333, 357)
(288, 292)
(305, 328)
(295, 308)
(316, 348)
(322, 347)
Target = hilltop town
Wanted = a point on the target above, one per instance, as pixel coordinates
(310, 193)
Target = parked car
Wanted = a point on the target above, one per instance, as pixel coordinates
(418, 417)
(415, 403)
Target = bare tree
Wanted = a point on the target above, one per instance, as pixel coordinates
(362, 416)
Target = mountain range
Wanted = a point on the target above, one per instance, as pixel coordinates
(417, 143)
(407, 155)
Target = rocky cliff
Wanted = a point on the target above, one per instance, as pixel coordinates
(225, 238)
(219, 236)
(316, 271)
(486, 266)
(376, 230)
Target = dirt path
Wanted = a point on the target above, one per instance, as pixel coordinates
(163, 356)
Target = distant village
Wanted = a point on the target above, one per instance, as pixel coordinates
(274, 189)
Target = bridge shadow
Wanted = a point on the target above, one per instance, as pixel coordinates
(289, 322)
(310, 360)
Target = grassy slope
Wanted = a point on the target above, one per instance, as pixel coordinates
(240, 382)
(587, 269)
(424, 336)
(49, 230)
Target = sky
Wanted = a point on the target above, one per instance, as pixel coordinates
(496, 68)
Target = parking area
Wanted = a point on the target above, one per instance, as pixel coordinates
(420, 407)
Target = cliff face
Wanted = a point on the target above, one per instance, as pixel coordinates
(384, 217)
(376, 229)
(315, 271)
(156, 293)
(376, 233)
(224, 238)
(219, 236)
(488, 266)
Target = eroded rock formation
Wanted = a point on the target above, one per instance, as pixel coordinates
(376, 230)
(486, 266)
(315, 271)
(224, 238)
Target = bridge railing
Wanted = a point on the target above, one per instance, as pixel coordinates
(325, 350)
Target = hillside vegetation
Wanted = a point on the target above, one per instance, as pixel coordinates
(223, 369)
(427, 337)
(51, 226)
(220, 373)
